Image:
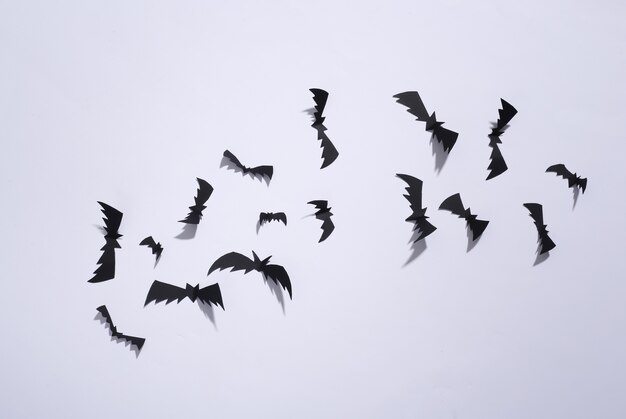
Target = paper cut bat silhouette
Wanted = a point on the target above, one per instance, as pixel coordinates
(262, 171)
(266, 217)
(138, 342)
(497, 166)
(536, 213)
(238, 262)
(454, 204)
(160, 291)
(112, 220)
(573, 180)
(416, 107)
(329, 152)
(157, 249)
(418, 217)
(323, 213)
(202, 195)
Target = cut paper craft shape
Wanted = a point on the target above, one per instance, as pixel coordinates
(454, 204)
(573, 180)
(536, 213)
(418, 217)
(133, 340)
(323, 213)
(266, 217)
(238, 262)
(202, 195)
(160, 291)
(157, 249)
(329, 152)
(416, 107)
(497, 166)
(258, 171)
(112, 220)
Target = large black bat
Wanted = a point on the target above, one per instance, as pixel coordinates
(497, 166)
(157, 249)
(202, 195)
(454, 204)
(238, 262)
(138, 342)
(266, 217)
(261, 171)
(536, 213)
(323, 213)
(418, 217)
(160, 291)
(112, 220)
(416, 107)
(329, 152)
(573, 180)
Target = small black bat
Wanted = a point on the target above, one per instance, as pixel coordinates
(266, 217)
(157, 249)
(238, 262)
(112, 220)
(536, 213)
(323, 213)
(138, 342)
(202, 195)
(573, 180)
(418, 217)
(416, 107)
(454, 204)
(160, 291)
(260, 171)
(497, 166)
(329, 152)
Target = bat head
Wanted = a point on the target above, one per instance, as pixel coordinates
(432, 123)
(192, 292)
(258, 263)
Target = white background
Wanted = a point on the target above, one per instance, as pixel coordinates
(128, 102)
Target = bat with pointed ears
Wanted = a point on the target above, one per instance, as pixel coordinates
(260, 171)
(133, 340)
(536, 213)
(573, 180)
(157, 249)
(160, 291)
(454, 204)
(418, 217)
(112, 220)
(266, 217)
(202, 195)
(497, 166)
(416, 107)
(238, 262)
(329, 152)
(323, 213)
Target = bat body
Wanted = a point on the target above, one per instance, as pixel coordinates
(266, 217)
(536, 213)
(238, 262)
(329, 152)
(418, 217)
(497, 166)
(573, 180)
(261, 171)
(138, 342)
(160, 291)
(202, 195)
(157, 249)
(112, 220)
(416, 107)
(323, 213)
(454, 204)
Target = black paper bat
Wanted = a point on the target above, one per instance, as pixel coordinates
(160, 291)
(202, 195)
(157, 249)
(238, 262)
(323, 213)
(497, 166)
(416, 107)
(261, 171)
(454, 204)
(418, 217)
(138, 342)
(112, 220)
(573, 180)
(329, 152)
(536, 213)
(266, 217)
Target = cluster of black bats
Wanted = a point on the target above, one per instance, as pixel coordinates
(211, 294)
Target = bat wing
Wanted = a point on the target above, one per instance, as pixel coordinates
(281, 216)
(505, 114)
(413, 101)
(148, 241)
(424, 226)
(234, 160)
(560, 170)
(546, 243)
(112, 218)
(536, 213)
(414, 191)
(454, 204)
(477, 227)
(262, 171)
(202, 195)
(160, 291)
(106, 270)
(446, 137)
(329, 152)
(279, 275)
(320, 97)
(133, 340)
(327, 225)
(497, 166)
(320, 205)
(211, 295)
(235, 261)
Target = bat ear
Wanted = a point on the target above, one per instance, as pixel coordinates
(256, 258)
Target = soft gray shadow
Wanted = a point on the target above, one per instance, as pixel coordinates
(417, 247)
(208, 311)
(132, 348)
(541, 258)
(99, 227)
(232, 166)
(189, 232)
(311, 112)
(470, 241)
(441, 156)
(276, 290)
(258, 227)
(156, 262)
(576, 192)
